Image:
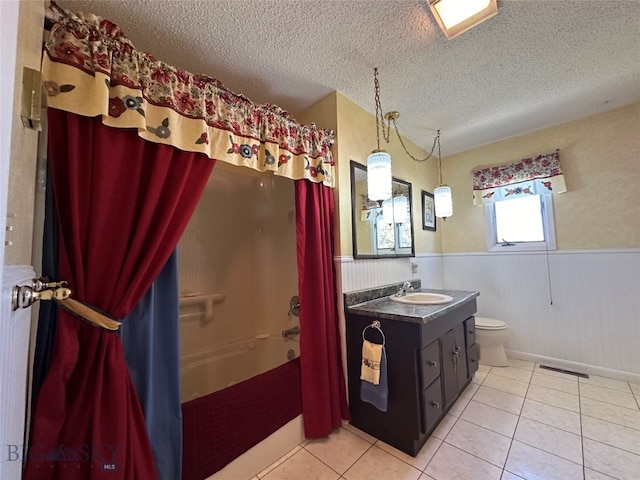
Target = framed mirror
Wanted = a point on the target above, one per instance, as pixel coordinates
(380, 229)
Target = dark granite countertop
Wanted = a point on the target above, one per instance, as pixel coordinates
(376, 303)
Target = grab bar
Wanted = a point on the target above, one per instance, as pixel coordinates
(205, 300)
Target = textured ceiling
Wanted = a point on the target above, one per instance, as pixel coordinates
(535, 64)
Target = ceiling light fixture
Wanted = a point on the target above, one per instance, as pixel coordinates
(458, 16)
(379, 162)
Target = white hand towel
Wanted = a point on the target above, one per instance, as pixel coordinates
(371, 356)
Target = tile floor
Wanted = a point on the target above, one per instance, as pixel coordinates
(511, 423)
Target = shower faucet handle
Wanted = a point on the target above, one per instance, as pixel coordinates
(294, 306)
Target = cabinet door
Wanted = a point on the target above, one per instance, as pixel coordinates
(449, 374)
(432, 405)
(454, 362)
(460, 356)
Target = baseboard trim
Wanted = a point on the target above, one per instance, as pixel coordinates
(576, 366)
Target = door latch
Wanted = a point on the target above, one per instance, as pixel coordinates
(23, 296)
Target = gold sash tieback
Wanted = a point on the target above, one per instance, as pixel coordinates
(89, 314)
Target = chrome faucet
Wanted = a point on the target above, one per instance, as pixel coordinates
(291, 331)
(406, 287)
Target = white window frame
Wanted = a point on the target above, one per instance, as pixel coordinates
(548, 225)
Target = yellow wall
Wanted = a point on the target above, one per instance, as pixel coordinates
(600, 157)
(355, 139)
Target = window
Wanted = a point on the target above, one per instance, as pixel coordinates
(384, 234)
(391, 230)
(524, 223)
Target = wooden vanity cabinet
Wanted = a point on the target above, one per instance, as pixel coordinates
(429, 364)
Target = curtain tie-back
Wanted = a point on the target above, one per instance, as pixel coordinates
(89, 313)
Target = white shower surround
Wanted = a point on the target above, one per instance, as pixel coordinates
(240, 248)
(594, 322)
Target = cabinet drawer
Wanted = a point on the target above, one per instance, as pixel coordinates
(470, 331)
(430, 363)
(432, 405)
(473, 356)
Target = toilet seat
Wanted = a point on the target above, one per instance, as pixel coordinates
(484, 323)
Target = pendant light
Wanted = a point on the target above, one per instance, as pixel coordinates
(395, 209)
(379, 162)
(442, 199)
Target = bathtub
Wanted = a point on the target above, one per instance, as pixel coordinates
(213, 369)
(239, 365)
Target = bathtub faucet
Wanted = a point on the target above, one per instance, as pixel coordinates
(291, 331)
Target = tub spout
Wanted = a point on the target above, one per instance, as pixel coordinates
(291, 331)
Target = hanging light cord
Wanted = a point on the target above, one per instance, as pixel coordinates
(391, 117)
(376, 86)
(436, 140)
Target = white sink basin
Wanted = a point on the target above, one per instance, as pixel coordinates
(422, 298)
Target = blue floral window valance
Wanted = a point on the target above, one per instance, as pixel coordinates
(530, 176)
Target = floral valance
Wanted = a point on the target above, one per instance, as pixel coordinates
(529, 176)
(90, 68)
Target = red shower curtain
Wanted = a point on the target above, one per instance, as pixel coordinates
(324, 401)
(123, 204)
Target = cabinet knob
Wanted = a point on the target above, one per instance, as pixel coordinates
(433, 363)
(435, 404)
(472, 332)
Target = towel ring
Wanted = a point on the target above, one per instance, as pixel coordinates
(375, 324)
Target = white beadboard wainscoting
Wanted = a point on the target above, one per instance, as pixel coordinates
(592, 326)
(361, 274)
(576, 309)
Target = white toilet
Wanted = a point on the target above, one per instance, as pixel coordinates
(490, 336)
